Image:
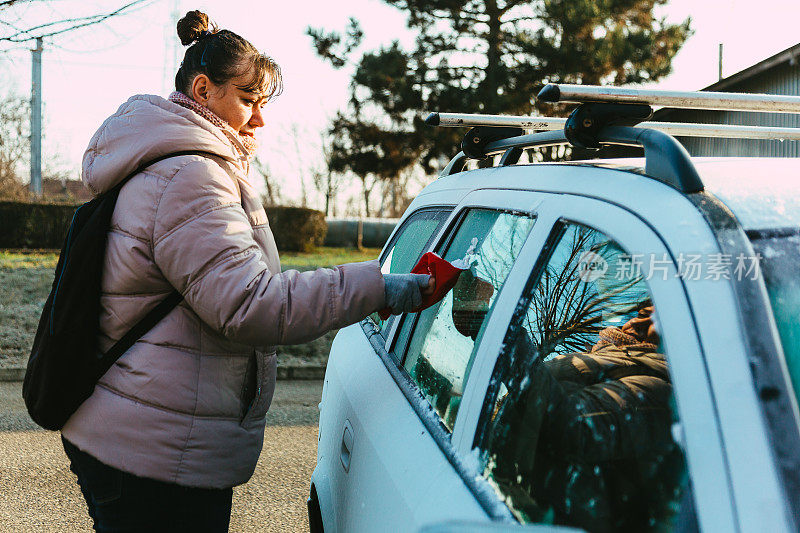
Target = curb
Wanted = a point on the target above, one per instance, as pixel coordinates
(301, 372)
(12, 374)
(297, 372)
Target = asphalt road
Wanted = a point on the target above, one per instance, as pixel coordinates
(39, 493)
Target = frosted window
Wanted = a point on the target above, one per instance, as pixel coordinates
(443, 343)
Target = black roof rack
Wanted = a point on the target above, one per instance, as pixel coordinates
(665, 158)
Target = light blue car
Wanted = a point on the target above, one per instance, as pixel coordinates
(623, 354)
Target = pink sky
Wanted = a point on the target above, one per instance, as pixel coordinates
(87, 75)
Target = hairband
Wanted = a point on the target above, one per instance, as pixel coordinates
(203, 55)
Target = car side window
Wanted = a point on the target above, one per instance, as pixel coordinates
(445, 337)
(407, 246)
(577, 426)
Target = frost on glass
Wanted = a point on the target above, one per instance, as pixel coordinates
(407, 248)
(442, 347)
(761, 192)
(780, 257)
(579, 428)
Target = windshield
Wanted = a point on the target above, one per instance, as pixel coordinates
(780, 263)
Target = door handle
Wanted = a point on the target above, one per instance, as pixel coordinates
(347, 445)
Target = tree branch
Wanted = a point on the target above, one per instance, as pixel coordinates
(519, 19)
(75, 23)
(474, 17)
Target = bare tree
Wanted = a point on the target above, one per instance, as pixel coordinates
(14, 28)
(272, 195)
(14, 145)
(327, 181)
(302, 162)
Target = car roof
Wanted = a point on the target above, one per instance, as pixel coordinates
(761, 192)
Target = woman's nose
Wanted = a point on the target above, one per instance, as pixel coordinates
(257, 120)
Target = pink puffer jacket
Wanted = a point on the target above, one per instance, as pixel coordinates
(186, 404)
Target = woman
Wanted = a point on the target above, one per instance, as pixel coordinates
(179, 419)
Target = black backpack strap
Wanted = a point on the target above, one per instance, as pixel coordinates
(166, 305)
(153, 161)
(143, 326)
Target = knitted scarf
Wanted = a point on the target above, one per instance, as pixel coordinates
(246, 141)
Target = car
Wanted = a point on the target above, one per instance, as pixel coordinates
(622, 354)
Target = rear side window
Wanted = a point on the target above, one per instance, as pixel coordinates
(577, 427)
(407, 246)
(779, 253)
(442, 347)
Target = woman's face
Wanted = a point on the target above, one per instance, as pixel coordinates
(240, 109)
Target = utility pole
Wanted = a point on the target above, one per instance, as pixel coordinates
(172, 52)
(720, 60)
(36, 120)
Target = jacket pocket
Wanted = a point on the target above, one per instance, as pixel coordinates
(263, 385)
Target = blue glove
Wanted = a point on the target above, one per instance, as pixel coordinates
(403, 291)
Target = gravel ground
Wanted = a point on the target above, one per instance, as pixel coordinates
(39, 493)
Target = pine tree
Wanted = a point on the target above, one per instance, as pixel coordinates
(484, 56)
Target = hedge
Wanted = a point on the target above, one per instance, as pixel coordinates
(27, 225)
(297, 229)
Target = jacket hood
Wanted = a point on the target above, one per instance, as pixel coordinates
(144, 128)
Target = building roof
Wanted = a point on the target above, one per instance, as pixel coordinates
(67, 189)
(790, 55)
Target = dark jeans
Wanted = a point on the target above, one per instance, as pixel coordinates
(122, 502)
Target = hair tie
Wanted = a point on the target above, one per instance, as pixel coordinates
(203, 35)
(203, 61)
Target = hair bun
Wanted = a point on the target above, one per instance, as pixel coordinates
(192, 26)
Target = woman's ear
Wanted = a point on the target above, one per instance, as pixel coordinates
(201, 86)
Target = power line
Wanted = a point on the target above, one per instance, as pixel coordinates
(109, 65)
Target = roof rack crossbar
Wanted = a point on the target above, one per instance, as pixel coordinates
(458, 120)
(769, 103)
(730, 131)
(677, 129)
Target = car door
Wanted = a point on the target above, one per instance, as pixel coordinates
(407, 243)
(396, 439)
(572, 422)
